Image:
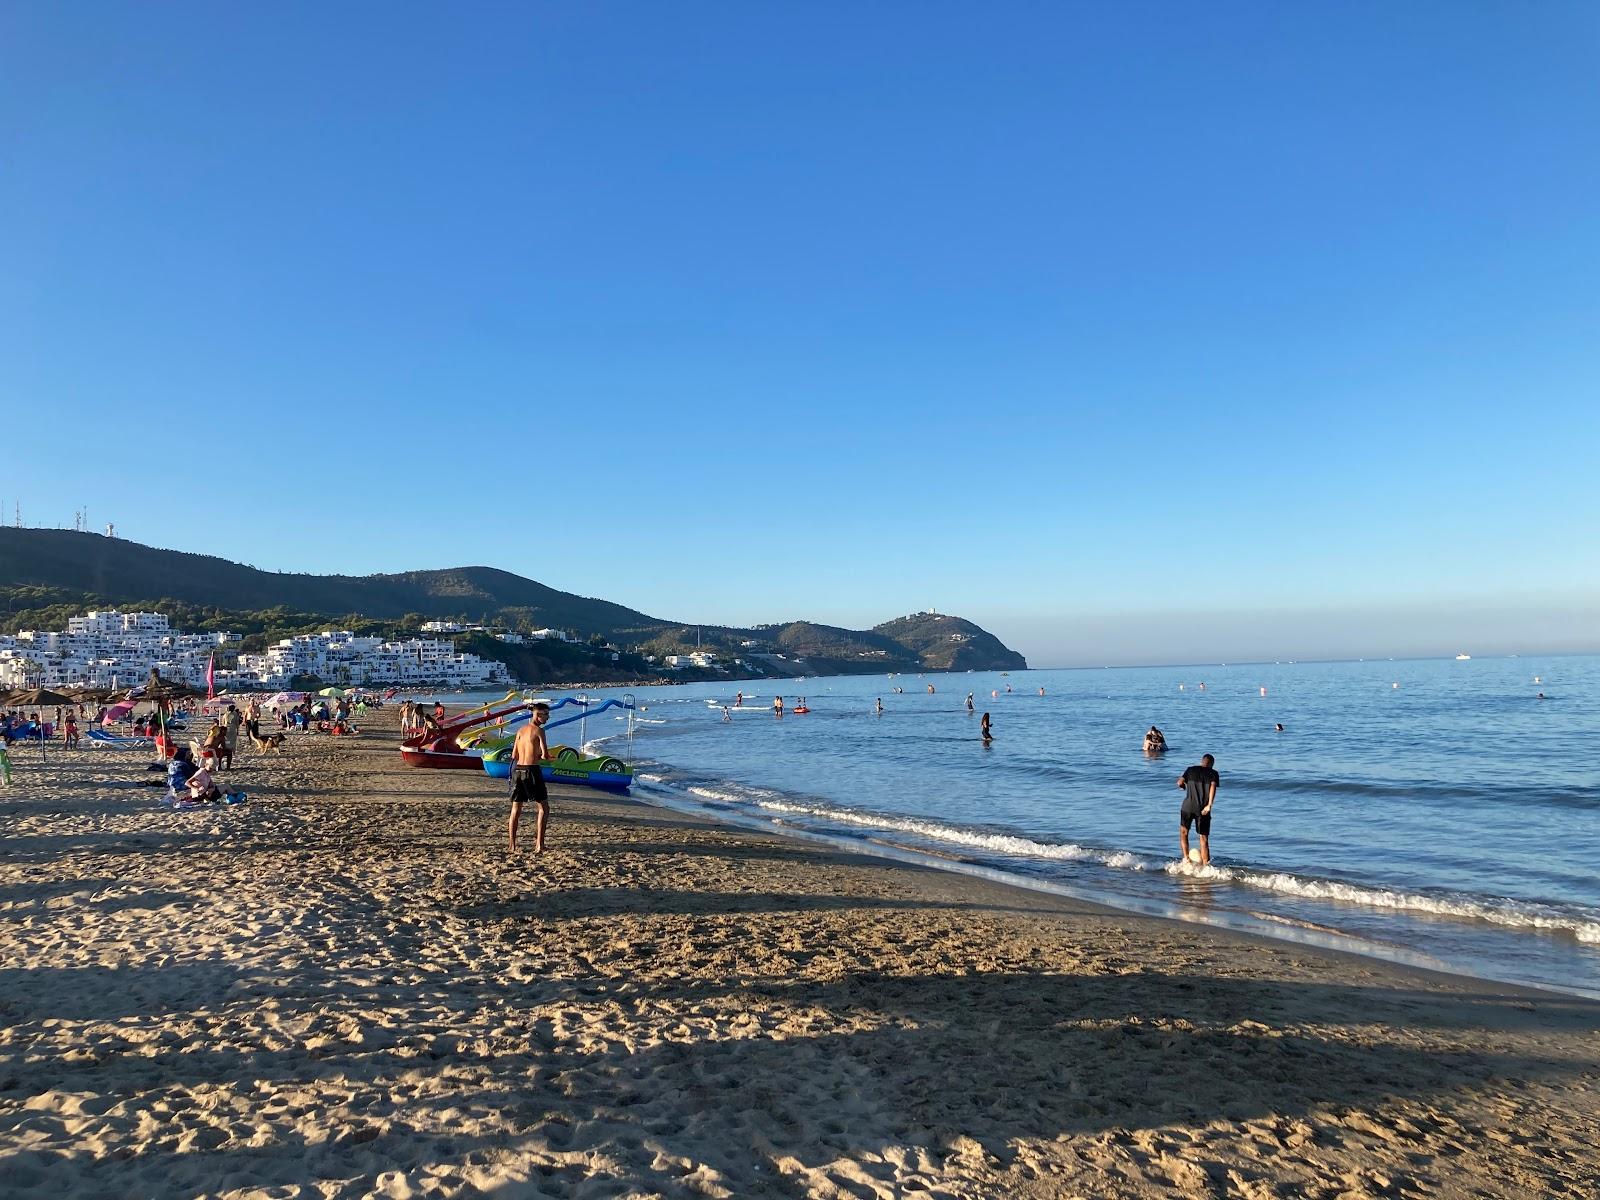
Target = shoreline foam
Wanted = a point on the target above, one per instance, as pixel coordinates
(1510, 913)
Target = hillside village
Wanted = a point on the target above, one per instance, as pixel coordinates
(126, 607)
(115, 649)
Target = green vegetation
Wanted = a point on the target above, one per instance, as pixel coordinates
(946, 643)
(52, 574)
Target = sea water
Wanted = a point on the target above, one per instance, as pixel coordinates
(1435, 811)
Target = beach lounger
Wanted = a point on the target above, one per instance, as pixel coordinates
(116, 741)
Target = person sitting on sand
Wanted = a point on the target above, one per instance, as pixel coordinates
(202, 787)
(179, 769)
(215, 744)
(1155, 742)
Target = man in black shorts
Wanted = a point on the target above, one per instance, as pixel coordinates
(527, 780)
(1199, 784)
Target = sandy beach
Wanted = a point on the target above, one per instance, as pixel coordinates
(344, 987)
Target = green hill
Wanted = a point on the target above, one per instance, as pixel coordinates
(44, 573)
(945, 643)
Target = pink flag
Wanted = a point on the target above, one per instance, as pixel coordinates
(211, 677)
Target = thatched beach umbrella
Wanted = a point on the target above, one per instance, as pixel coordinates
(39, 698)
(163, 692)
(94, 695)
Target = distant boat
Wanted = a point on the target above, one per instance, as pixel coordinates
(1463, 657)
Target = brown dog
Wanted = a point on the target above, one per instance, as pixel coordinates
(273, 741)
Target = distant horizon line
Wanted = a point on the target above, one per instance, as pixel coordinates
(1293, 662)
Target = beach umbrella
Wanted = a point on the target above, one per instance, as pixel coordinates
(331, 691)
(40, 698)
(92, 695)
(165, 689)
(286, 698)
(162, 692)
(121, 710)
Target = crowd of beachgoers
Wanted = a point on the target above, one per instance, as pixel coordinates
(193, 740)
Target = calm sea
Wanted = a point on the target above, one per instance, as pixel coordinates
(1435, 811)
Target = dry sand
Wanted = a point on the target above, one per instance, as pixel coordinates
(344, 988)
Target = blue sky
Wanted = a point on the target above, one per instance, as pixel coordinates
(1130, 331)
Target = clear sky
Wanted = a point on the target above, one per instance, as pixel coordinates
(1131, 331)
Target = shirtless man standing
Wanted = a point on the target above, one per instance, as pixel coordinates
(527, 781)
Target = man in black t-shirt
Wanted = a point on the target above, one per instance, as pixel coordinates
(1199, 784)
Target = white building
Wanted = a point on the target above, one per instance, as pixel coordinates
(697, 659)
(112, 649)
(107, 649)
(339, 656)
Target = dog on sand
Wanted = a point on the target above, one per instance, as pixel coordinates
(273, 741)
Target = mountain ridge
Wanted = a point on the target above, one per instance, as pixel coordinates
(117, 571)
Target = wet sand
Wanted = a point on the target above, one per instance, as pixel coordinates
(344, 987)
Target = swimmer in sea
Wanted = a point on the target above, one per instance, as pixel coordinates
(1278, 727)
(970, 705)
(880, 706)
(777, 705)
(726, 715)
(1155, 742)
(984, 731)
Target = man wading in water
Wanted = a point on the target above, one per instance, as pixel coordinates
(1199, 784)
(527, 781)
